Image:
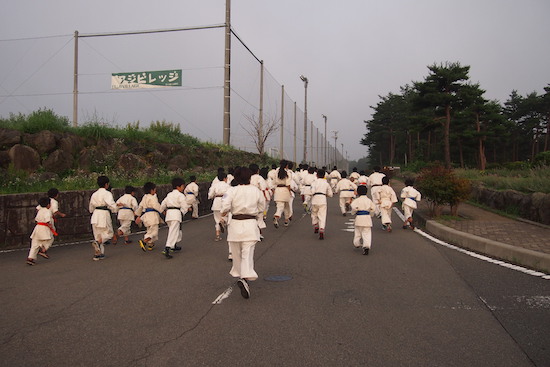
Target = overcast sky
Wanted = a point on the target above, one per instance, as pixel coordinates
(352, 51)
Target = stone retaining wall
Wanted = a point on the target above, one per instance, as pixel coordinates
(17, 214)
(534, 207)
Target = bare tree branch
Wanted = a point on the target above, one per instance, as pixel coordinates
(261, 132)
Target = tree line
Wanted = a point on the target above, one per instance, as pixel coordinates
(445, 117)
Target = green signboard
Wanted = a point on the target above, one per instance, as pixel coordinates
(146, 79)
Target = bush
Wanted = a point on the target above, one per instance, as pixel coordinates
(542, 159)
(42, 119)
(440, 186)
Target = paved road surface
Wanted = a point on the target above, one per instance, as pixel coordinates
(409, 303)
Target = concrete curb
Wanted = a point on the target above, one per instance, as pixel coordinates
(516, 255)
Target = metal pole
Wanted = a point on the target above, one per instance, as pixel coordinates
(282, 154)
(317, 145)
(227, 76)
(305, 80)
(261, 117)
(326, 139)
(75, 81)
(295, 133)
(311, 141)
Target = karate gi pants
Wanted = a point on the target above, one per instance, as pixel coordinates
(217, 217)
(343, 201)
(195, 207)
(174, 233)
(125, 225)
(364, 233)
(386, 215)
(102, 234)
(408, 212)
(243, 260)
(283, 207)
(319, 215)
(152, 233)
(36, 245)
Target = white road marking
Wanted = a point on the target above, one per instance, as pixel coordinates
(223, 296)
(476, 255)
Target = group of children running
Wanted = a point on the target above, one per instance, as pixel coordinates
(240, 202)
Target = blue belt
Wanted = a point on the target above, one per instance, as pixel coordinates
(148, 210)
(363, 212)
(190, 193)
(413, 199)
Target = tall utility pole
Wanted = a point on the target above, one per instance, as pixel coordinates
(335, 136)
(304, 79)
(282, 121)
(227, 77)
(295, 133)
(75, 81)
(261, 117)
(326, 140)
(311, 142)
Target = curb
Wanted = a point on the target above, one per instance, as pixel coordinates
(516, 255)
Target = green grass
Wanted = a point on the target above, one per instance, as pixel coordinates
(529, 180)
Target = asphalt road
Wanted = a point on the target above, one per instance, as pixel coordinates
(316, 303)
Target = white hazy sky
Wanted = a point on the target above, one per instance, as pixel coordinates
(352, 51)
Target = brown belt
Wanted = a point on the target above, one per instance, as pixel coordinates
(243, 216)
(281, 185)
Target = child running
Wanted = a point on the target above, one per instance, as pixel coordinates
(192, 196)
(175, 205)
(347, 189)
(363, 207)
(44, 232)
(410, 197)
(148, 213)
(385, 197)
(53, 194)
(127, 205)
(101, 206)
(320, 189)
(216, 192)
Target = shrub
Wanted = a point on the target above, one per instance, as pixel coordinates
(542, 159)
(441, 187)
(42, 119)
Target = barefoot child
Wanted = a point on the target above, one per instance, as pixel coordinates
(363, 207)
(410, 197)
(127, 205)
(42, 235)
(101, 206)
(148, 213)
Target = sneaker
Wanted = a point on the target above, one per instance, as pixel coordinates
(245, 290)
(218, 238)
(321, 235)
(176, 248)
(166, 253)
(31, 262)
(365, 251)
(101, 256)
(384, 227)
(230, 257)
(43, 254)
(95, 246)
(142, 245)
(96, 258)
(150, 246)
(316, 230)
(276, 222)
(286, 223)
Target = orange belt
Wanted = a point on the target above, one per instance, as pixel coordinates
(49, 226)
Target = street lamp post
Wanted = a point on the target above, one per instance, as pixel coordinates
(305, 80)
(335, 136)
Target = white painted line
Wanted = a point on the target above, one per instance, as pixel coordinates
(476, 255)
(223, 296)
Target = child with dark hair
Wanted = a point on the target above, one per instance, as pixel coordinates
(384, 198)
(320, 189)
(101, 206)
(347, 189)
(148, 213)
(216, 192)
(192, 196)
(363, 208)
(410, 197)
(281, 185)
(175, 205)
(53, 194)
(43, 233)
(127, 205)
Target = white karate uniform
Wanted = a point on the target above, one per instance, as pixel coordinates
(306, 188)
(282, 196)
(102, 223)
(126, 212)
(42, 235)
(374, 182)
(54, 208)
(320, 189)
(175, 205)
(384, 197)
(192, 196)
(151, 218)
(242, 235)
(261, 184)
(364, 208)
(410, 197)
(347, 190)
(216, 192)
(334, 178)
(354, 175)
